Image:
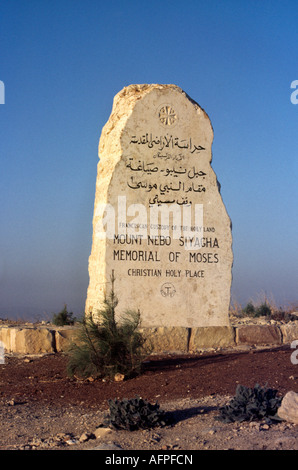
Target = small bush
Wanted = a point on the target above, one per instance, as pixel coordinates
(263, 311)
(135, 414)
(251, 404)
(63, 318)
(108, 348)
(249, 310)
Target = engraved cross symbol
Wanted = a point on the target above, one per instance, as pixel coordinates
(167, 115)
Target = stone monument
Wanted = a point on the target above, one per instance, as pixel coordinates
(160, 225)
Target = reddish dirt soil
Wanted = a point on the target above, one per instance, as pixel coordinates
(44, 379)
(37, 397)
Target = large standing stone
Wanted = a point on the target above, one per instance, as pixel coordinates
(159, 223)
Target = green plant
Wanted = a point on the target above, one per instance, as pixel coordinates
(263, 310)
(106, 348)
(134, 414)
(249, 310)
(63, 318)
(251, 404)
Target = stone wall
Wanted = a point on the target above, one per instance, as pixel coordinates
(45, 339)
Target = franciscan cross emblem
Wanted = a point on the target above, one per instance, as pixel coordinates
(167, 115)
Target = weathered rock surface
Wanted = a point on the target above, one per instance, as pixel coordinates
(30, 340)
(258, 334)
(27, 340)
(289, 331)
(159, 222)
(212, 337)
(289, 408)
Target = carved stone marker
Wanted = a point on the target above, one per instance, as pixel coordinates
(160, 225)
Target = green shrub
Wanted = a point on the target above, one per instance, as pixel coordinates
(63, 318)
(250, 404)
(134, 414)
(263, 310)
(106, 348)
(249, 310)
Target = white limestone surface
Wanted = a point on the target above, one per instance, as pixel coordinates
(160, 225)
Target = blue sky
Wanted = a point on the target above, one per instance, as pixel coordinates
(63, 61)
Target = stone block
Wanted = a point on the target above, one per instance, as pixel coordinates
(5, 334)
(31, 340)
(167, 339)
(212, 337)
(289, 332)
(64, 336)
(258, 334)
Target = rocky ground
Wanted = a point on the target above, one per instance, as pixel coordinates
(43, 409)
